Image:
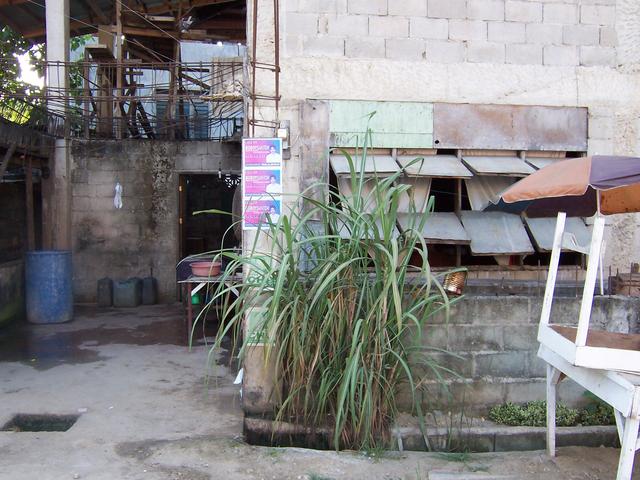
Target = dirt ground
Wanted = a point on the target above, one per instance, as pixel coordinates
(145, 412)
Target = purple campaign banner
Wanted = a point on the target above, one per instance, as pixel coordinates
(260, 211)
(261, 182)
(262, 152)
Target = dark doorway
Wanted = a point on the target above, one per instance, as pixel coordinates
(208, 231)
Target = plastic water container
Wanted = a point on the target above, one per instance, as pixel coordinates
(49, 286)
(149, 291)
(105, 292)
(127, 293)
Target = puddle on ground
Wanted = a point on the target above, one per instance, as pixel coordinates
(47, 346)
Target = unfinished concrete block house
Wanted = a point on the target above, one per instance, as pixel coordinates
(487, 91)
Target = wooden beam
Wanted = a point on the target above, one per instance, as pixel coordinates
(100, 15)
(7, 159)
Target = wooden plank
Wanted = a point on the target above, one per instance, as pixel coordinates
(7, 158)
(510, 127)
(602, 339)
(553, 269)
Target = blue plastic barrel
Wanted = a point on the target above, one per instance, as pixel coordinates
(48, 278)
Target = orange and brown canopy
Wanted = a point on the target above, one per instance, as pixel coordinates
(572, 186)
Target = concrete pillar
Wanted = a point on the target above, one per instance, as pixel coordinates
(57, 199)
(57, 50)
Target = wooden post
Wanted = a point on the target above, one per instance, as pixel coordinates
(118, 114)
(86, 94)
(31, 236)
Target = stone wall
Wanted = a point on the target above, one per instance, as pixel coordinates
(493, 344)
(142, 236)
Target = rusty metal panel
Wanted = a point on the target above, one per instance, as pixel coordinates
(444, 166)
(381, 165)
(496, 233)
(502, 166)
(543, 229)
(440, 227)
(510, 127)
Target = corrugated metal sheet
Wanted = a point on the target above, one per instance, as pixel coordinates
(510, 127)
(440, 227)
(496, 233)
(540, 162)
(394, 125)
(381, 165)
(507, 166)
(447, 166)
(482, 190)
(542, 230)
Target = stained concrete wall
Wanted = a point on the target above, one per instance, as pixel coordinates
(494, 345)
(11, 290)
(143, 235)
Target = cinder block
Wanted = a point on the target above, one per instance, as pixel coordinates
(608, 37)
(598, 56)
(439, 51)
(598, 14)
(324, 46)
(293, 45)
(365, 47)
(556, 55)
(100, 178)
(429, 28)
(79, 176)
(369, 7)
(301, 23)
(320, 6)
(500, 310)
(447, 9)
(520, 337)
(520, 11)
(388, 27)
(435, 336)
(348, 25)
(485, 9)
(467, 30)
(410, 8)
(503, 364)
(405, 48)
(506, 32)
(536, 367)
(475, 338)
(524, 54)
(540, 33)
(526, 390)
(461, 364)
(581, 35)
(477, 397)
(188, 163)
(560, 13)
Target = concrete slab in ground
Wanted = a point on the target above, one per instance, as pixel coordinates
(145, 413)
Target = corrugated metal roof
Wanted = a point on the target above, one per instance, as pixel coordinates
(542, 230)
(509, 166)
(448, 166)
(382, 165)
(440, 227)
(541, 162)
(496, 233)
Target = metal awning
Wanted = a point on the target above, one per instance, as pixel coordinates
(444, 166)
(507, 166)
(496, 233)
(541, 162)
(483, 190)
(380, 165)
(440, 227)
(542, 230)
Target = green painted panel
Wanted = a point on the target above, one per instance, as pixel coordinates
(395, 124)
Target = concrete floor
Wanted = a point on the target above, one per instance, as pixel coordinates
(145, 413)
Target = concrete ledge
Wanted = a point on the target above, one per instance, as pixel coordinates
(505, 439)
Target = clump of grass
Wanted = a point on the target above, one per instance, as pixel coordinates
(341, 308)
(534, 414)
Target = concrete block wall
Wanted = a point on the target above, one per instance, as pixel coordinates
(13, 220)
(560, 32)
(493, 345)
(143, 235)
